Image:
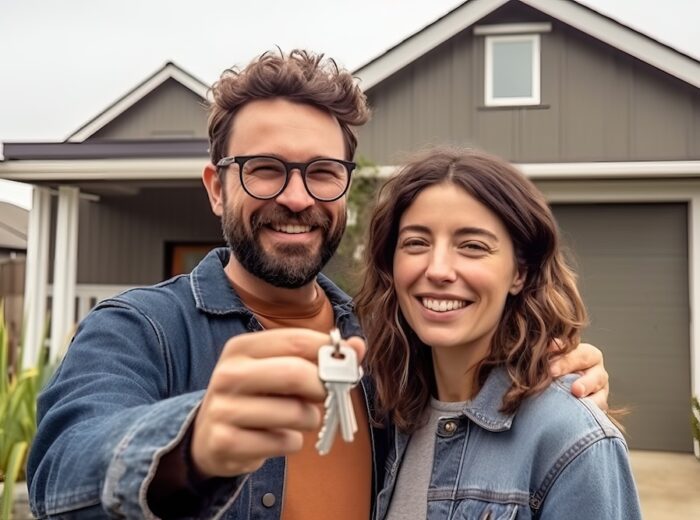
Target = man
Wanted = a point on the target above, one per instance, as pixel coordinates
(172, 400)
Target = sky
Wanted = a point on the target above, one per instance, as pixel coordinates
(63, 62)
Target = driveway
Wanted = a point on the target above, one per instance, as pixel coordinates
(669, 484)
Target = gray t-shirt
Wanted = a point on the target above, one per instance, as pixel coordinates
(410, 499)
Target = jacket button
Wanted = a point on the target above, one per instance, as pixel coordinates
(268, 500)
(447, 428)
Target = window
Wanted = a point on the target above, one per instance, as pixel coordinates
(512, 70)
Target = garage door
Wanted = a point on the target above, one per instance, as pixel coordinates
(633, 266)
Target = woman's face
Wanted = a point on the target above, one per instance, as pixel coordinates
(454, 266)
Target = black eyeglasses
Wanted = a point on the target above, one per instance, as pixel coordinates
(264, 177)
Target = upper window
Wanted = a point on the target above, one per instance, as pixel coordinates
(512, 70)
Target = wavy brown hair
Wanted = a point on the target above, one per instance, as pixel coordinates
(300, 76)
(548, 307)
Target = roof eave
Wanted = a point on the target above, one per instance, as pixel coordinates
(581, 17)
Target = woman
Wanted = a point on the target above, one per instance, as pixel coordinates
(465, 291)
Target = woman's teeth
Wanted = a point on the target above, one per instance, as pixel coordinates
(442, 305)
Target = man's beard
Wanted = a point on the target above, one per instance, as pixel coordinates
(290, 265)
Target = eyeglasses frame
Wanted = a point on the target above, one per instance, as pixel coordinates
(240, 160)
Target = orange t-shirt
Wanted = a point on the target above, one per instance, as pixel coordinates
(337, 485)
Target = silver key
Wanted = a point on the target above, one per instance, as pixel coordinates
(346, 414)
(339, 370)
(330, 425)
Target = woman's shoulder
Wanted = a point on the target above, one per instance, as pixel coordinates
(570, 437)
(555, 417)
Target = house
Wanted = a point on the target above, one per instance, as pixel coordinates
(604, 119)
(117, 204)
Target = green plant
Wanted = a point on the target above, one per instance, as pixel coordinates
(19, 388)
(695, 419)
(345, 267)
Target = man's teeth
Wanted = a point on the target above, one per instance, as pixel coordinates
(443, 305)
(290, 228)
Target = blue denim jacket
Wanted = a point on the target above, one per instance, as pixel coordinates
(557, 457)
(128, 389)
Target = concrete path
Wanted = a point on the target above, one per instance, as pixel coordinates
(669, 484)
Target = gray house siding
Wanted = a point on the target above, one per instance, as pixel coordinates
(170, 111)
(121, 240)
(597, 104)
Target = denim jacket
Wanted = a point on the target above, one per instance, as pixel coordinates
(557, 457)
(129, 388)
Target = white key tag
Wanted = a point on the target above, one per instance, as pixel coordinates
(338, 368)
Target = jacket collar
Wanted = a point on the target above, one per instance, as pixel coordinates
(484, 408)
(214, 294)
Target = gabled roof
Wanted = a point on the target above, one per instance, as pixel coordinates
(165, 73)
(569, 12)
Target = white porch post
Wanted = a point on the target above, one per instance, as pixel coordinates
(35, 280)
(65, 269)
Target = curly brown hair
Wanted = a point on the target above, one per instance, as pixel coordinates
(548, 307)
(300, 76)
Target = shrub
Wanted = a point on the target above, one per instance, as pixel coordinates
(19, 388)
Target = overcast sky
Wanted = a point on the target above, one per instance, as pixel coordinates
(63, 62)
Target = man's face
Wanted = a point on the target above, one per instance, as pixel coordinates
(287, 240)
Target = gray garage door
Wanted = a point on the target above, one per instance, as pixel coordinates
(633, 266)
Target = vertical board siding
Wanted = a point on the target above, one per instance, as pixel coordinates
(661, 127)
(122, 239)
(598, 104)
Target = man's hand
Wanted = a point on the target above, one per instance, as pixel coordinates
(586, 360)
(261, 396)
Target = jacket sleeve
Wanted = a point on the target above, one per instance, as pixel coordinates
(107, 417)
(598, 483)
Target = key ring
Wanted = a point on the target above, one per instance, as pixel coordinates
(335, 342)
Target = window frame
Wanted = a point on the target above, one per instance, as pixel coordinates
(489, 98)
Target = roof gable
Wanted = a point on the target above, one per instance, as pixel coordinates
(569, 12)
(167, 74)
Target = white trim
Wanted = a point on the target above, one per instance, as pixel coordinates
(585, 170)
(646, 49)
(623, 38)
(534, 99)
(103, 169)
(169, 71)
(513, 28)
(597, 170)
(64, 270)
(36, 278)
